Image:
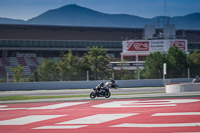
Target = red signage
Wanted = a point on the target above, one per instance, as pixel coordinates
(137, 46)
(180, 44)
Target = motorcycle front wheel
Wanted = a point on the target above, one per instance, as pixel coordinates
(107, 95)
(93, 95)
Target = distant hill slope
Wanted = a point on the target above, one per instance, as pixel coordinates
(74, 15)
(11, 21)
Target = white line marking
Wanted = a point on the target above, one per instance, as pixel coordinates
(28, 119)
(97, 119)
(12, 108)
(128, 104)
(158, 125)
(54, 106)
(145, 103)
(61, 127)
(3, 106)
(172, 114)
(60, 105)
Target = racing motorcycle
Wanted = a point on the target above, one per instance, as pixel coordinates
(100, 91)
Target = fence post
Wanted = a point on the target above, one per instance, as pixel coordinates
(87, 75)
(188, 73)
(7, 77)
(138, 70)
(113, 74)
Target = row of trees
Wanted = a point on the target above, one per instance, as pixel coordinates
(70, 67)
(96, 62)
(178, 64)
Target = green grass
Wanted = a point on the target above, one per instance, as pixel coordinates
(12, 98)
(139, 93)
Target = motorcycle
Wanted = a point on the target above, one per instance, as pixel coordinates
(100, 91)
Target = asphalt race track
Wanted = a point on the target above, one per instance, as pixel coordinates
(81, 91)
(149, 115)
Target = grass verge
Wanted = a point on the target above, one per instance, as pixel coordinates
(12, 98)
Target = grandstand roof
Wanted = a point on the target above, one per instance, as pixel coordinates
(41, 32)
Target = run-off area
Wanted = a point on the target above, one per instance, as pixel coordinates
(131, 115)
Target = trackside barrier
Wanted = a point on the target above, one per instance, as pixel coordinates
(182, 87)
(87, 84)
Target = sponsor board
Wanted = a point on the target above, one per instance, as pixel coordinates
(152, 45)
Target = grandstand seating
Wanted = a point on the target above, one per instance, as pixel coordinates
(30, 64)
(21, 61)
(2, 70)
(4, 62)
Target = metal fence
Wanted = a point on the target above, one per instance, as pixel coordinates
(114, 74)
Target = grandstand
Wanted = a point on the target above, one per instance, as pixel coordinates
(27, 45)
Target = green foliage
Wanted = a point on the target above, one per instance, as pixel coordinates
(176, 63)
(69, 67)
(96, 61)
(73, 68)
(18, 73)
(48, 71)
(194, 63)
(154, 65)
(194, 59)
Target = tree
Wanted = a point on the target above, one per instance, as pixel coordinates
(48, 71)
(96, 61)
(18, 73)
(154, 65)
(177, 64)
(194, 63)
(69, 67)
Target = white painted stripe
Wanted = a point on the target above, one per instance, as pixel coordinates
(158, 125)
(60, 105)
(128, 104)
(145, 103)
(172, 114)
(28, 119)
(61, 127)
(3, 106)
(12, 108)
(97, 119)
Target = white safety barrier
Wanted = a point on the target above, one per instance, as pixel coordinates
(182, 87)
(88, 84)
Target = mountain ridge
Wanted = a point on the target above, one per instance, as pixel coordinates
(75, 15)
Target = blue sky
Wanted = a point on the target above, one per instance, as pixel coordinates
(26, 9)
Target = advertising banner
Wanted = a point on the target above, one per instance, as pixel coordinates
(137, 45)
(152, 45)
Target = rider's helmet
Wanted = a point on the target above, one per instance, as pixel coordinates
(101, 84)
(112, 80)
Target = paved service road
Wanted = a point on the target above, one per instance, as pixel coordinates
(149, 115)
(80, 91)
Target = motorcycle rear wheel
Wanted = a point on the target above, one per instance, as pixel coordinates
(107, 95)
(93, 95)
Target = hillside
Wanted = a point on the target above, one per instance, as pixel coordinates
(74, 15)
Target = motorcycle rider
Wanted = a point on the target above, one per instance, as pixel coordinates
(100, 86)
(111, 84)
(196, 80)
(103, 86)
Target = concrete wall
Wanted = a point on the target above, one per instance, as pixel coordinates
(87, 84)
(176, 88)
